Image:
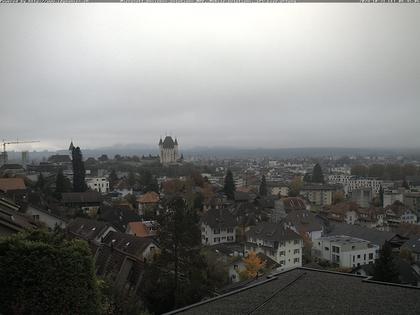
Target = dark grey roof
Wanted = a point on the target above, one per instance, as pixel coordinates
(218, 218)
(168, 143)
(310, 291)
(81, 197)
(118, 216)
(374, 236)
(303, 220)
(413, 244)
(87, 229)
(59, 158)
(130, 244)
(11, 167)
(272, 232)
(243, 196)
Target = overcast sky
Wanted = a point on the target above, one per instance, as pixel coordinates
(243, 75)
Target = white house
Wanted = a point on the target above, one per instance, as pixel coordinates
(99, 184)
(50, 219)
(346, 251)
(281, 244)
(218, 226)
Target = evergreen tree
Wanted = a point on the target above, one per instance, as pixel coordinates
(79, 184)
(131, 179)
(42, 273)
(317, 176)
(385, 269)
(178, 276)
(40, 184)
(263, 186)
(229, 187)
(381, 196)
(405, 184)
(62, 184)
(112, 179)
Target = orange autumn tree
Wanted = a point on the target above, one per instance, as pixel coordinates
(253, 265)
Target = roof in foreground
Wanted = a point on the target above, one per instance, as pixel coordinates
(310, 291)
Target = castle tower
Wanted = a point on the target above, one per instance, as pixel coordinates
(168, 150)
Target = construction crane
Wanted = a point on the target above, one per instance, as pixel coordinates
(4, 154)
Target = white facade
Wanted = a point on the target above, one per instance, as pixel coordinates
(168, 150)
(287, 253)
(99, 184)
(346, 251)
(50, 220)
(351, 183)
(210, 236)
(390, 196)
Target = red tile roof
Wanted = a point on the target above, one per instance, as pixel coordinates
(7, 184)
(150, 197)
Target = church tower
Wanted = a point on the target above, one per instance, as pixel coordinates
(168, 150)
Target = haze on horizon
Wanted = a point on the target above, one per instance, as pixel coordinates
(254, 75)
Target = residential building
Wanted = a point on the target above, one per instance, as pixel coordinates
(143, 228)
(89, 230)
(345, 251)
(148, 201)
(390, 196)
(88, 201)
(362, 196)
(11, 220)
(305, 290)
(304, 223)
(319, 195)
(14, 188)
(218, 226)
(413, 246)
(99, 184)
(50, 219)
(286, 205)
(281, 244)
(351, 183)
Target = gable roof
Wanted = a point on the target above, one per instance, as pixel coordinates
(272, 232)
(9, 184)
(293, 203)
(142, 229)
(292, 292)
(218, 218)
(149, 197)
(372, 235)
(87, 229)
(13, 220)
(81, 197)
(119, 217)
(127, 243)
(168, 143)
(303, 220)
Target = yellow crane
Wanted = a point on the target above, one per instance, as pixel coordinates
(4, 154)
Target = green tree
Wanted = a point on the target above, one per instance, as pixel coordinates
(62, 184)
(131, 179)
(385, 268)
(178, 276)
(295, 187)
(229, 187)
(46, 274)
(112, 179)
(79, 184)
(263, 186)
(40, 184)
(359, 170)
(317, 175)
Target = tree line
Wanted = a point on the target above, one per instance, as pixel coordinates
(387, 171)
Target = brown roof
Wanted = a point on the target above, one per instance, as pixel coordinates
(343, 207)
(7, 184)
(150, 197)
(140, 229)
(294, 203)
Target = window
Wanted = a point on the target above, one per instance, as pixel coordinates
(326, 248)
(364, 256)
(335, 249)
(297, 242)
(371, 256)
(296, 251)
(282, 253)
(282, 262)
(216, 231)
(358, 256)
(36, 217)
(353, 260)
(235, 267)
(230, 238)
(296, 260)
(230, 230)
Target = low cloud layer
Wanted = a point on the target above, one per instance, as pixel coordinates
(270, 76)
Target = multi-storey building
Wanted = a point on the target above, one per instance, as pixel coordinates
(321, 195)
(279, 243)
(218, 226)
(351, 183)
(99, 184)
(345, 251)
